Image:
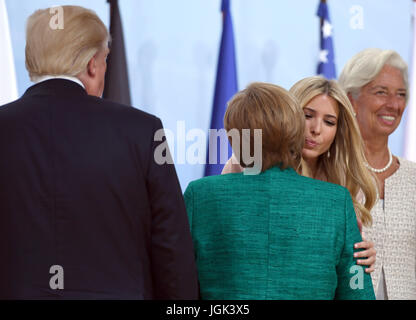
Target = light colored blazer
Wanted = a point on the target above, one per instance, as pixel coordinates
(394, 233)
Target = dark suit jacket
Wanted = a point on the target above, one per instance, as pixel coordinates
(79, 188)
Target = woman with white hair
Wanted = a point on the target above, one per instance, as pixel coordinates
(376, 82)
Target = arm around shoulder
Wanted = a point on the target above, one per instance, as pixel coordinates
(232, 166)
(353, 282)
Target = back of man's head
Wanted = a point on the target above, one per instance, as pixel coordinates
(63, 40)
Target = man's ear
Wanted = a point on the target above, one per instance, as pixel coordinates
(92, 67)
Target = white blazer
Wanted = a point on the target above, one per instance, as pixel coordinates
(394, 234)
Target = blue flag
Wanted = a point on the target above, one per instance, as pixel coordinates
(326, 66)
(225, 87)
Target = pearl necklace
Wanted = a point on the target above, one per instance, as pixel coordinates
(385, 168)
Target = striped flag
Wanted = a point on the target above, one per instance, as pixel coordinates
(410, 135)
(326, 66)
(8, 85)
(225, 87)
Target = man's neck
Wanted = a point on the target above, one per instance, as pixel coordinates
(49, 77)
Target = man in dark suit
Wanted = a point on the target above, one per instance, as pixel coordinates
(85, 210)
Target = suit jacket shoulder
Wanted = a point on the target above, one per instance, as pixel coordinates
(80, 189)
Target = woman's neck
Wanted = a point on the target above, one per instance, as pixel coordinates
(376, 152)
(312, 166)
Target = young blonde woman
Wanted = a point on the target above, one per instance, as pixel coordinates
(333, 150)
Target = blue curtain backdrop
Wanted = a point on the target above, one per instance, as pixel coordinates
(172, 48)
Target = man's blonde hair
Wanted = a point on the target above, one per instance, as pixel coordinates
(273, 110)
(64, 51)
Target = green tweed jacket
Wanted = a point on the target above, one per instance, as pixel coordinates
(276, 235)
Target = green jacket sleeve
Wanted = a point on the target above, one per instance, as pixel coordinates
(353, 282)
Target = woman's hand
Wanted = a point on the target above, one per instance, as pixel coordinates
(232, 166)
(369, 253)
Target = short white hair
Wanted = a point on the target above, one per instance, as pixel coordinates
(363, 67)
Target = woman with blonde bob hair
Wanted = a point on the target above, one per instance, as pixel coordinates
(277, 234)
(279, 144)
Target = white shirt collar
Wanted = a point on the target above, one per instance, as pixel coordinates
(49, 77)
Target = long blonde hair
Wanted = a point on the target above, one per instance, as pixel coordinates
(344, 163)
